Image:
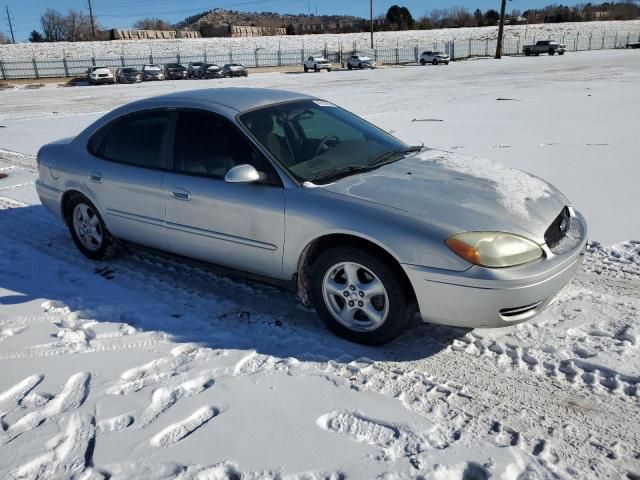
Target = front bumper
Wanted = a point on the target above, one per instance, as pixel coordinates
(499, 297)
(96, 80)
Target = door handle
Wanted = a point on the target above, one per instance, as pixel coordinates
(95, 177)
(180, 194)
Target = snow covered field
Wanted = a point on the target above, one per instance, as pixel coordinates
(146, 367)
(409, 38)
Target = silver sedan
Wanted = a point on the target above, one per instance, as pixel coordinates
(294, 188)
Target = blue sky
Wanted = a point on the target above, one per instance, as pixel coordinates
(122, 13)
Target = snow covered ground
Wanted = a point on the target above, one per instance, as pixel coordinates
(148, 367)
(409, 38)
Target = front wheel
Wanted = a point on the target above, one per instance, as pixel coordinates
(561, 52)
(422, 61)
(360, 66)
(306, 69)
(359, 296)
(349, 66)
(552, 52)
(435, 62)
(328, 69)
(88, 230)
(527, 52)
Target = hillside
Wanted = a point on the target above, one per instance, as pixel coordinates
(220, 18)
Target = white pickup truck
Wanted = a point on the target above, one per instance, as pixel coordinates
(316, 64)
(544, 46)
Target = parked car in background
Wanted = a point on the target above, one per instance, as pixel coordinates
(360, 61)
(209, 70)
(374, 227)
(316, 64)
(128, 75)
(544, 46)
(235, 70)
(98, 75)
(633, 45)
(192, 69)
(434, 58)
(152, 71)
(175, 71)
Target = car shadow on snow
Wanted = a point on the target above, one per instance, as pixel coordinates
(190, 301)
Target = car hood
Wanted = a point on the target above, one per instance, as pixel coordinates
(459, 193)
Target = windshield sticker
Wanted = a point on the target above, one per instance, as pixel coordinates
(323, 103)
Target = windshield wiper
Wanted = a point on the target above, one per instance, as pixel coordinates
(341, 172)
(385, 158)
(394, 155)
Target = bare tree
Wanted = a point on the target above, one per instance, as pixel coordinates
(53, 26)
(3, 39)
(461, 17)
(77, 26)
(152, 24)
(438, 17)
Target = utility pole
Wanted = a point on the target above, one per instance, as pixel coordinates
(371, 16)
(503, 13)
(13, 39)
(93, 24)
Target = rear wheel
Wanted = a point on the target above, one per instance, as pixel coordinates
(359, 296)
(527, 52)
(328, 69)
(435, 62)
(360, 66)
(306, 69)
(422, 61)
(561, 52)
(316, 69)
(88, 230)
(552, 51)
(349, 66)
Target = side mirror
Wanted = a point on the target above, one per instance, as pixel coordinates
(243, 174)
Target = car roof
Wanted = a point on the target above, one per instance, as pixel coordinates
(236, 98)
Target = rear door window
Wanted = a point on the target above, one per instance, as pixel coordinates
(136, 139)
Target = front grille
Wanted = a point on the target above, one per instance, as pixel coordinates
(555, 232)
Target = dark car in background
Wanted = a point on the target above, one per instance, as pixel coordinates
(210, 70)
(128, 75)
(175, 71)
(193, 68)
(151, 71)
(235, 70)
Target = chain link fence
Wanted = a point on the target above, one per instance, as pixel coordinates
(401, 54)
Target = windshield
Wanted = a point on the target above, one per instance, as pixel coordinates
(129, 70)
(314, 139)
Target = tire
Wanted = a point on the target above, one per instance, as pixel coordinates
(435, 62)
(527, 52)
(316, 69)
(328, 69)
(393, 309)
(349, 66)
(561, 52)
(306, 69)
(537, 54)
(552, 52)
(360, 66)
(77, 209)
(423, 62)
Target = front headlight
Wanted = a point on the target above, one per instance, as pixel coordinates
(494, 249)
